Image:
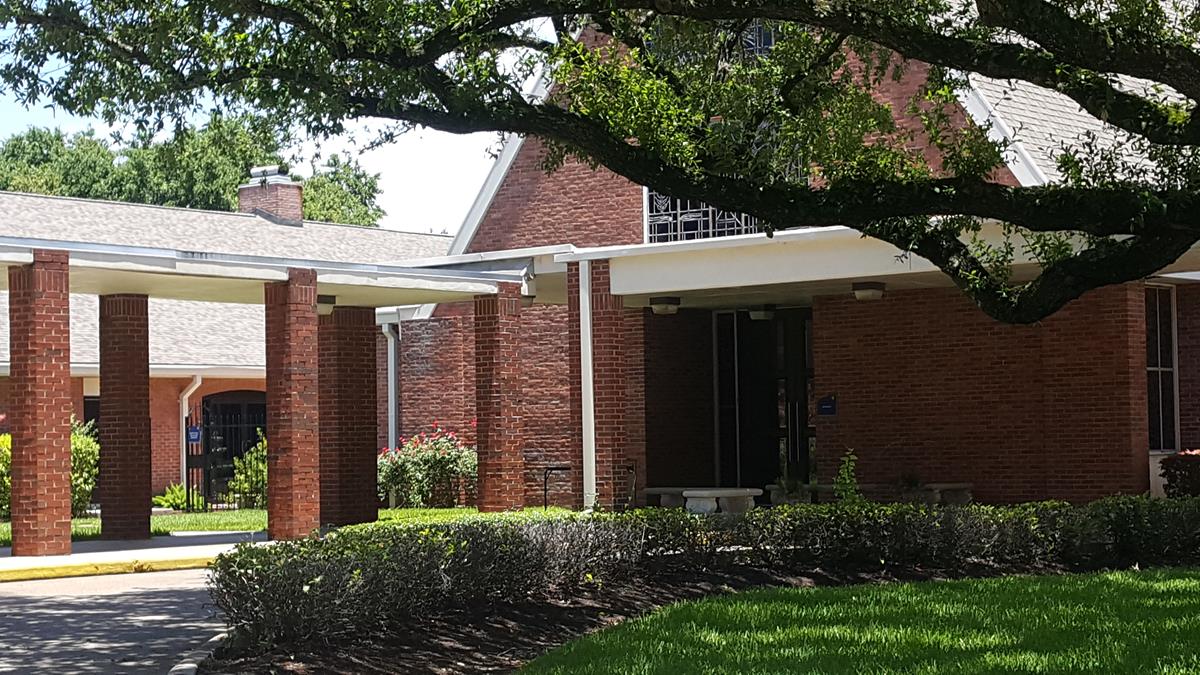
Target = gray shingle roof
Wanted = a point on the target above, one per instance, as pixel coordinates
(1044, 121)
(186, 333)
(182, 333)
(88, 220)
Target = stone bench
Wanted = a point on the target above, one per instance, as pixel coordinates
(668, 497)
(951, 493)
(730, 500)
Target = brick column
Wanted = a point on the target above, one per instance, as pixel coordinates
(609, 381)
(498, 400)
(40, 391)
(125, 410)
(348, 415)
(293, 474)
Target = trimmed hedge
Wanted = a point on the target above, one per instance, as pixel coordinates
(374, 579)
(1181, 474)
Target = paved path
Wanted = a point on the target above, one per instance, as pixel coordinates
(124, 623)
(176, 546)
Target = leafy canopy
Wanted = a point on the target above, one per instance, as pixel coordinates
(197, 167)
(759, 106)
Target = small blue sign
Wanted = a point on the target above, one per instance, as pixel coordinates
(193, 434)
(827, 405)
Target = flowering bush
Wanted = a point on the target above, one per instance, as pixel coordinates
(1181, 474)
(428, 469)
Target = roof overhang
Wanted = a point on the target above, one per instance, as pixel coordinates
(788, 269)
(198, 275)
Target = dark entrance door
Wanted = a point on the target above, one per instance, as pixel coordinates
(763, 384)
(229, 422)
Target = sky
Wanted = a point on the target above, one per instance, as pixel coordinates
(428, 178)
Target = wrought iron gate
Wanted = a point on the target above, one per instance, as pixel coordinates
(229, 424)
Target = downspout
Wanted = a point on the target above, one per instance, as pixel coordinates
(392, 331)
(184, 404)
(586, 388)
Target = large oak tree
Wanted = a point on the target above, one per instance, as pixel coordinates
(674, 99)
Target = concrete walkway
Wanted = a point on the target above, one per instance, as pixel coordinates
(177, 546)
(128, 623)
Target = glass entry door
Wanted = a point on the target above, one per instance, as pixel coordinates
(763, 401)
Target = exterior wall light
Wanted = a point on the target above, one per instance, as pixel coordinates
(868, 290)
(664, 305)
(764, 313)
(325, 304)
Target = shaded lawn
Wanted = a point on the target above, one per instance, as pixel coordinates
(1118, 622)
(237, 520)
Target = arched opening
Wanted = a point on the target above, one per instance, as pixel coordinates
(230, 422)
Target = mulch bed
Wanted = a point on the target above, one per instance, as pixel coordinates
(511, 635)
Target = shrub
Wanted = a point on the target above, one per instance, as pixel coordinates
(369, 579)
(176, 497)
(248, 487)
(85, 467)
(373, 579)
(1181, 474)
(5, 476)
(428, 469)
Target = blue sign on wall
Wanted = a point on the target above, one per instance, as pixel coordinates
(827, 405)
(193, 434)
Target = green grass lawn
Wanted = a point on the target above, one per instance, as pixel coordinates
(246, 519)
(1120, 622)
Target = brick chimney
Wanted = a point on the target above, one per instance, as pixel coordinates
(272, 193)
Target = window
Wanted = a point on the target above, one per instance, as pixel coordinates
(1161, 389)
(671, 219)
(91, 410)
(758, 39)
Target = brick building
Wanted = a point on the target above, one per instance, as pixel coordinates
(591, 336)
(721, 357)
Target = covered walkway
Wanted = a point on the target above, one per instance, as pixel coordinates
(321, 377)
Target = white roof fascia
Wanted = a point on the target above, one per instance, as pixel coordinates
(1018, 159)
(201, 263)
(386, 315)
(737, 241)
(489, 256)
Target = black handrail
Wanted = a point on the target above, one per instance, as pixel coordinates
(546, 483)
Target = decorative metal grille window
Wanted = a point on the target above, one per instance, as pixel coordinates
(1161, 395)
(672, 219)
(758, 39)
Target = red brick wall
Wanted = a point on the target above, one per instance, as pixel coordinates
(293, 473)
(347, 401)
(125, 445)
(575, 205)
(927, 385)
(549, 440)
(283, 200)
(437, 376)
(499, 390)
(164, 420)
(615, 457)
(5, 401)
(40, 387)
